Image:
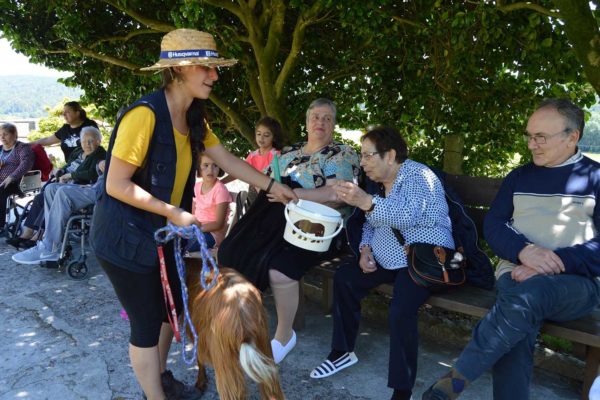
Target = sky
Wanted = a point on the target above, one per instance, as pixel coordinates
(13, 63)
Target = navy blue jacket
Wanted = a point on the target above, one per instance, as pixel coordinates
(122, 234)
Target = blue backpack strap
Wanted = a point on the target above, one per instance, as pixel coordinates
(479, 269)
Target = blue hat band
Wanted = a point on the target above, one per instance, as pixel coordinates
(194, 53)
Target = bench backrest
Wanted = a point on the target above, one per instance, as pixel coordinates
(477, 193)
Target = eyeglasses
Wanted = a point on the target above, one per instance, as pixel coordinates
(367, 156)
(543, 139)
(314, 117)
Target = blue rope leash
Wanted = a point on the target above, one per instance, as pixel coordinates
(209, 267)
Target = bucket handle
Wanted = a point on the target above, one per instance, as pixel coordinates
(308, 235)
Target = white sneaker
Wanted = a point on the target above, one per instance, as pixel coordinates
(50, 255)
(280, 351)
(30, 256)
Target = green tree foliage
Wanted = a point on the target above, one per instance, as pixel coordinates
(590, 142)
(457, 77)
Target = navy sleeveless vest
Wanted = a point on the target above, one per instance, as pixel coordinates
(122, 234)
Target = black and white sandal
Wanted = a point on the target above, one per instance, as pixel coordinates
(328, 368)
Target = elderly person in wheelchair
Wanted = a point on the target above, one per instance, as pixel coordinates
(81, 169)
(67, 200)
(16, 158)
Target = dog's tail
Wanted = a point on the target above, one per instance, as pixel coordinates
(260, 368)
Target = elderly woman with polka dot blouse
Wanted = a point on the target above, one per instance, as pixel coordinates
(410, 198)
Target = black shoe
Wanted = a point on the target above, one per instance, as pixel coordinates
(14, 242)
(20, 243)
(175, 389)
(27, 243)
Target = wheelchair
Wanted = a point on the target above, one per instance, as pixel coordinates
(30, 185)
(76, 231)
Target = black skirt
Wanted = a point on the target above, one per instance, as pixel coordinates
(256, 244)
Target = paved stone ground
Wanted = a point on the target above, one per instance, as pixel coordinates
(64, 339)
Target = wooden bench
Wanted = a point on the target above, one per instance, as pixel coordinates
(477, 194)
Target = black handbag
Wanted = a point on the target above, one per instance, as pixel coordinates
(433, 267)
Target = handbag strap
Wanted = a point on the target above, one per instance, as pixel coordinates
(399, 236)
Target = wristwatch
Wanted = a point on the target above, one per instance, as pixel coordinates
(373, 203)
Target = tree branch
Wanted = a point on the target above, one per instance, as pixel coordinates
(304, 20)
(125, 38)
(111, 60)
(523, 5)
(158, 26)
(255, 90)
(235, 118)
(581, 27)
(227, 5)
(265, 16)
(54, 51)
(273, 43)
(405, 21)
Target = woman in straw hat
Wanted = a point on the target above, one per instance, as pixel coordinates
(151, 166)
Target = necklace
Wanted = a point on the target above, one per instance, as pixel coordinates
(303, 153)
(5, 156)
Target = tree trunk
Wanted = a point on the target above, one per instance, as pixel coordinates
(582, 30)
(453, 154)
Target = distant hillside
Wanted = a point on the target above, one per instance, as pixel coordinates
(23, 96)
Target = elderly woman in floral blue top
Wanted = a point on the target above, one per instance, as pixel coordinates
(410, 199)
(266, 259)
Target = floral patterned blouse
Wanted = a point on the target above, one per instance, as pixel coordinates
(334, 161)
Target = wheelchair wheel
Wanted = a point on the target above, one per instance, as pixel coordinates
(77, 270)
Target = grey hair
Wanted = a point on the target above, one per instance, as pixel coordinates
(91, 129)
(10, 128)
(322, 102)
(572, 114)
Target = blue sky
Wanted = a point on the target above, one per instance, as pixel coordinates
(17, 64)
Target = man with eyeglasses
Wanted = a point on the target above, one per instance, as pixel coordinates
(543, 225)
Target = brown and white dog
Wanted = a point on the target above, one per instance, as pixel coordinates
(233, 334)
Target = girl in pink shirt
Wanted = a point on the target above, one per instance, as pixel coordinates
(211, 203)
(268, 139)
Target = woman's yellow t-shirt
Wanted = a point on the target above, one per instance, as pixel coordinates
(133, 140)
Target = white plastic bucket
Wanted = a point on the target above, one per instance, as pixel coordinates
(311, 225)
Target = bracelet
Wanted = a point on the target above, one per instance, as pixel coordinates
(270, 185)
(372, 205)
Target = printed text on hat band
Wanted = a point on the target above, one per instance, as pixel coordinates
(189, 53)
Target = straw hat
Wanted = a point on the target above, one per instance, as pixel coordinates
(183, 47)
